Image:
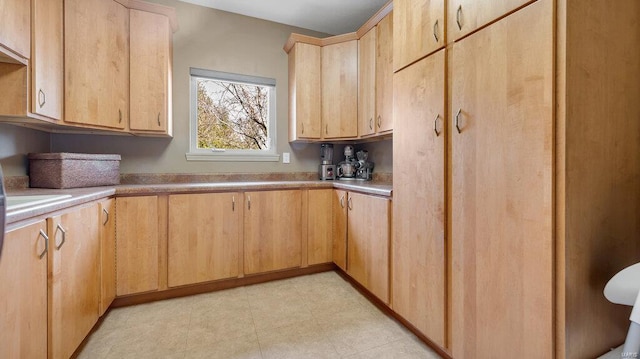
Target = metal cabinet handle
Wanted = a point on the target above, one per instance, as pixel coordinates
(371, 123)
(106, 219)
(379, 121)
(326, 129)
(233, 203)
(159, 119)
(458, 120)
(249, 202)
(119, 116)
(342, 201)
(458, 16)
(435, 31)
(46, 244)
(42, 98)
(350, 203)
(302, 126)
(435, 125)
(64, 236)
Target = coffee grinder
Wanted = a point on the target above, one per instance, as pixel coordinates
(326, 170)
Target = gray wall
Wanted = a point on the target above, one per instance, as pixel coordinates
(15, 143)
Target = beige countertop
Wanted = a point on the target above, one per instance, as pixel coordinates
(85, 195)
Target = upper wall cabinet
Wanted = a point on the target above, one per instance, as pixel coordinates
(304, 92)
(96, 63)
(418, 29)
(367, 83)
(340, 90)
(47, 79)
(150, 72)
(14, 29)
(465, 16)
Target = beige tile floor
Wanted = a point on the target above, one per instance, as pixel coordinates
(315, 316)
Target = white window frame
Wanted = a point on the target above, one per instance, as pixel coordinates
(251, 155)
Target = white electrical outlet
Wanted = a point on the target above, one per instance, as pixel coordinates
(285, 157)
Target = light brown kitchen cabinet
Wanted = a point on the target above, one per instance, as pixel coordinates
(47, 73)
(96, 63)
(272, 230)
(150, 59)
(466, 16)
(304, 92)
(340, 228)
(319, 221)
(419, 272)
(107, 215)
(23, 279)
(418, 30)
(367, 83)
(502, 187)
(74, 278)
(340, 90)
(368, 226)
(204, 237)
(137, 241)
(15, 27)
(384, 75)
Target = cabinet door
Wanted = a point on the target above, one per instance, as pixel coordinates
(304, 92)
(319, 233)
(108, 253)
(502, 189)
(204, 237)
(272, 231)
(150, 62)
(367, 83)
(340, 229)
(465, 16)
(384, 74)
(74, 269)
(15, 26)
(96, 63)
(418, 196)
(47, 58)
(418, 30)
(368, 247)
(136, 244)
(23, 279)
(340, 90)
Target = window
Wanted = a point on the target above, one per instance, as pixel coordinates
(233, 117)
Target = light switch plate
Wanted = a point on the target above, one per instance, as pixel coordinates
(286, 157)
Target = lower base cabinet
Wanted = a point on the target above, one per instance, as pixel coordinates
(204, 237)
(339, 204)
(319, 225)
(23, 275)
(74, 285)
(108, 253)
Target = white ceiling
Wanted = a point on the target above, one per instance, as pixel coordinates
(329, 16)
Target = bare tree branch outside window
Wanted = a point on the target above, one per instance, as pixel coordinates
(232, 115)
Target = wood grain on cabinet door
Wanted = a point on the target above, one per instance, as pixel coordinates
(340, 90)
(150, 49)
(384, 74)
(107, 215)
(272, 230)
(96, 63)
(23, 279)
(47, 72)
(304, 91)
(466, 16)
(320, 226)
(418, 30)
(502, 190)
(340, 228)
(74, 286)
(419, 273)
(368, 248)
(367, 83)
(136, 244)
(204, 230)
(15, 28)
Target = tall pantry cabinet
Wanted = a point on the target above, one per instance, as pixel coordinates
(542, 167)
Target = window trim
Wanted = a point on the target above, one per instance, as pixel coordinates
(202, 154)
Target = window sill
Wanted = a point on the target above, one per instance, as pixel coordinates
(233, 157)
